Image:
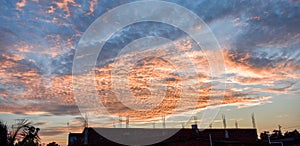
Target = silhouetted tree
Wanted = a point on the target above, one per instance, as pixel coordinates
(294, 133)
(52, 144)
(277, 134)
(30, 136)
(22, 134)
(3, 134)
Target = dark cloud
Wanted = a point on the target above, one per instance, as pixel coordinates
(136, 31)
(40, 123)
(62, 109)
(266, 23)
(52, 132)
(42, 109)
(249, 27)
(62, 64)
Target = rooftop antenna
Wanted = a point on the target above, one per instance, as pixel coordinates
(86, 121)
(164, 121)
(127, 122)
(120, 121)
(253, 121)
(224, 121)
(68, 124)
(195, 120)
(210, 125)
(236, 124)
(279, 128)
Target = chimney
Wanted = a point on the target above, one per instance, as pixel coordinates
(195, 126)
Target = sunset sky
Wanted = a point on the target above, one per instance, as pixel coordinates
(259, 42)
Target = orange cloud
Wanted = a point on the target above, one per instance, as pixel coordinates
(54, 94)
(51, 10)
(20, 4)
(64, 4)
(92, 3)
(248, 73)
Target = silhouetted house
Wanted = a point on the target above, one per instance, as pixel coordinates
(75, 139)
(184, 137)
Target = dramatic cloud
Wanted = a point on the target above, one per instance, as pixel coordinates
(260, 42)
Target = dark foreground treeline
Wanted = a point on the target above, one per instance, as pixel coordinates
(22, 133)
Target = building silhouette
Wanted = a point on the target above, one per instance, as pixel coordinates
(183, 137)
